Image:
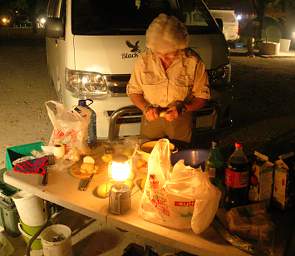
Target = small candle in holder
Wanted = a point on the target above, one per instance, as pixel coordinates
(119, 168)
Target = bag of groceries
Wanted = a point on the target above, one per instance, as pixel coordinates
(206, 203)
(169, 196)
(69, 129)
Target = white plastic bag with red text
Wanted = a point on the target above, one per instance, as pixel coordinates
(69, 128)
(168, 198)
(206, 203)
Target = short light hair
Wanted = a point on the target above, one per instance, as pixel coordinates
(166, 34)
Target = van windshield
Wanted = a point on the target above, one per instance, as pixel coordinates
(132, 17)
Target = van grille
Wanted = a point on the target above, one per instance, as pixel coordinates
(117, 84)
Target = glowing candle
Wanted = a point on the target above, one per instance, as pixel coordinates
(119, 168)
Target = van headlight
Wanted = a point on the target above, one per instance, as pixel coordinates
(89, 84)
(220, 75)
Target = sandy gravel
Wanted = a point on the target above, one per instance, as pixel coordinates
(24, 89)
(263, 108)
(264, 105)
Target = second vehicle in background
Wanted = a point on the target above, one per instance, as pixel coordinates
(230, 23)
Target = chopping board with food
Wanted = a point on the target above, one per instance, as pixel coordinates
(87, 166)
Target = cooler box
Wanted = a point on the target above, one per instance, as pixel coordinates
(15, 152)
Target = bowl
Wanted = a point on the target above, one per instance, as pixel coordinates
(192, 157)
(146, 148)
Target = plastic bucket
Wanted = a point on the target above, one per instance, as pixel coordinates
(56, 240)
(31, 209)
(36, 245)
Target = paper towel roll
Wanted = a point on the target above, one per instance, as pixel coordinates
(59, 151)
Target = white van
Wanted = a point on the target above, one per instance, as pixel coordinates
(91, 47)
(230, 23)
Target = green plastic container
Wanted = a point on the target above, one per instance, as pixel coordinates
(15, 152)
(9, 218)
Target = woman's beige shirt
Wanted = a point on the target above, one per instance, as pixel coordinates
(184, 78)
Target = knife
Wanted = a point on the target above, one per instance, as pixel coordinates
(83, 184)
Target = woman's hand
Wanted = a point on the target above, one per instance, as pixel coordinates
(151, 113)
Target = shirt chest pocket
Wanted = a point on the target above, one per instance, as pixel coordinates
(180, 87)
(183, 80)
(150, 78)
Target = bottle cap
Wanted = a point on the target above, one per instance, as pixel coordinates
(238, 145)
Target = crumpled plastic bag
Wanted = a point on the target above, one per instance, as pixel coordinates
(70, 128)
(206, 203)
(172, 198)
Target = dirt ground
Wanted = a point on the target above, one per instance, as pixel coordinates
(263, 106)
(24, 89)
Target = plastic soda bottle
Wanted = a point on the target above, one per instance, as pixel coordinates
(237, 178)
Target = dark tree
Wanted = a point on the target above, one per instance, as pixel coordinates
(279, 8)
(260, 6)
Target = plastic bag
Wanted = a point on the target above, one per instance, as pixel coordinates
(168, 198)
(206, 203)
(70, 128)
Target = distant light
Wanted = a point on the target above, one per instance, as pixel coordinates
(5, 20)
(239, 17)
(293, 34)
(42, 20)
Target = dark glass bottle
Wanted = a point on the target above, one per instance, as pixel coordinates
(237, 178)
(92, 137)
(214, 164)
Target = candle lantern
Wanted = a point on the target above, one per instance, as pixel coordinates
(119, 170)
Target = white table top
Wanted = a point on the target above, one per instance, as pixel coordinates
(62, 189)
